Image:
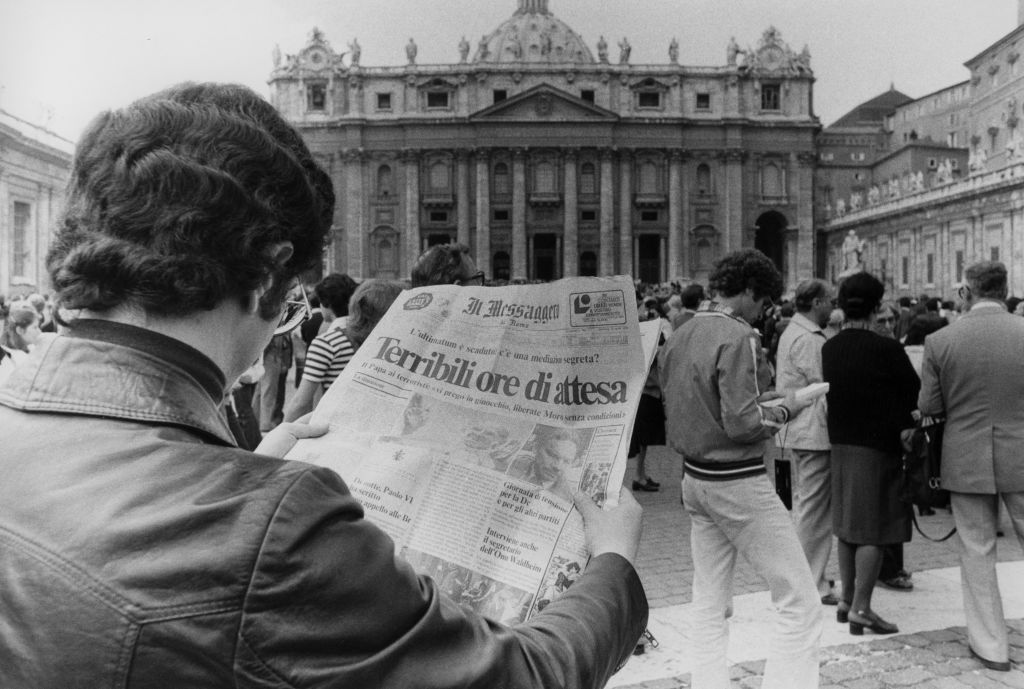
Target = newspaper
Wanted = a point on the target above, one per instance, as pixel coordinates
(469, 417)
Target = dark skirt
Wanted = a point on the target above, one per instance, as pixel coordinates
(866, 506)
(649, 426)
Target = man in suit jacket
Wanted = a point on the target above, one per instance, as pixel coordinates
(972, 374)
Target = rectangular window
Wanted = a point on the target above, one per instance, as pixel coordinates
(501, 215)
(587, 95)
(383, 101)
(648, 99)
(904, 270)
(703, 101)
(930, 269)
(588, 216)
(19, 243)
(649, 216)
(500, 95)
(437, 99)
(994, 251)
(316, 97)
(959, 265)
(771, 97)
(438, 216)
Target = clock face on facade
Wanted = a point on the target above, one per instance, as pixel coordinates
(772, 57)
(316, 57)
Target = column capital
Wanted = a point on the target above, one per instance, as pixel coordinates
(520, 152)
(410, 155)
(570, 153)
(807, 158)
(464, 154)
(734, 155)
(606, 153)
(677, 155)
(482, 155)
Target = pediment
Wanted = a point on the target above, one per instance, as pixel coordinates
(544, 104)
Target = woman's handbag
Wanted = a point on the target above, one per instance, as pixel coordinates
(922, 470)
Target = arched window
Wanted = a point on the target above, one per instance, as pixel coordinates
(771, 181)
(705, 240)
(648, 178)
(705, 253)
(544, 178)
(501, 266)
(502, 183)
(588, 179)
(384, 181)
(588, 264)
(385, 255)
(703, 179)
(439, 176)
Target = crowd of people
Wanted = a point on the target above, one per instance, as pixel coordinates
(153, 536)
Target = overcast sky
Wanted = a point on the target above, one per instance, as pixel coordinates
(73, 58)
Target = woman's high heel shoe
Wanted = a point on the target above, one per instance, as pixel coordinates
(843, 612)
(861, 620)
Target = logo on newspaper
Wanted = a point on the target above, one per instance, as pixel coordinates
(598, 308)
(420, 301)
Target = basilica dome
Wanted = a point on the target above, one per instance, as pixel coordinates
(533, 35)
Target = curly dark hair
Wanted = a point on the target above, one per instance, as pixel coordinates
(334, 292)
(441, 264)
(175, 201)
(859, 296)
(743, 269)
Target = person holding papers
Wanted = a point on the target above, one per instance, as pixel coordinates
(139, 547)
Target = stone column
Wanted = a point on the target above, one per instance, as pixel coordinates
(804, 268)
(483, 212)
(570, 243)
(411, 160)
(606, 264)
(462, 208)
(675, 211)
(519, 214)
(732, 238)
(354, 217)
(626, 262)
(6, 233)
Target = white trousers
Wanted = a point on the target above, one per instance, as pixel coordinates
(812, 511)
(745, 517)
(976, 516)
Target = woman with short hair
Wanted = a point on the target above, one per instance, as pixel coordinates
(872, 394)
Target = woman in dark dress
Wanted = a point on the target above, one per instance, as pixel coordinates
(872, 395)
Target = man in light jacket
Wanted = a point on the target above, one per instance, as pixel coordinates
(972, 374)
(798, 364)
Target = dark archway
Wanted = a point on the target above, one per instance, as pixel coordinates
(545, 257)
(649, 258)
(770, 236)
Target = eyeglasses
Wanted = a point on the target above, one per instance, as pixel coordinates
(886, 319)
(475, 279)
(295, 312)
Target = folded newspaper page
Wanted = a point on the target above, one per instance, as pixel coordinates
(469, 417)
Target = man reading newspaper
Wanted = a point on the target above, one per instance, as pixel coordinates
(139, 547)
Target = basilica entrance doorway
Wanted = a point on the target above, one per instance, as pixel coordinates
(649, 258)
(545, 257)
(769, 236)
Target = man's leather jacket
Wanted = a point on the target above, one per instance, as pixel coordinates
(140, 548)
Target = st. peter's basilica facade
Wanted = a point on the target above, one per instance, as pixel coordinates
(551, 160)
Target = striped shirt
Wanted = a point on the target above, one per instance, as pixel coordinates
(327, 357)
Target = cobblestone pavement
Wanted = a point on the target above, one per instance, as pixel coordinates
(938, 659)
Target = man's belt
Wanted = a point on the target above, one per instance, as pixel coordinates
(723, 470)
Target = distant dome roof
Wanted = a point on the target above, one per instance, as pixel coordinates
(533, 34)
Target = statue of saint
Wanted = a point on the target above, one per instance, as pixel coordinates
(276, 55)
(874, 195)
(355, 52)
(545, 43)
(624, 50)
(731, 52)
(673, 51)
(482, 50)
(1015, 145)
(515, 46)
(853, 248)
(602, 50)
(841, 207)
(410, 51)
(463, 50)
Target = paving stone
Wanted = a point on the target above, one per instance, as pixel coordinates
(942, 635)
(840, 672)
(907, 677)
(980, 679)
(915, 640)
(890, 644)
(951, 649)
(865, 683)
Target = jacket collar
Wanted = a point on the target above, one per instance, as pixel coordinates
(119, 371)
(806, 323)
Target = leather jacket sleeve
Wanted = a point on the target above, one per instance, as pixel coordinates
(330, 605)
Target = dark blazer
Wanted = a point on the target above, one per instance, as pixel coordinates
(140, 548)
(973, 373)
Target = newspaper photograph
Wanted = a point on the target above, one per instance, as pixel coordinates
(469, 417)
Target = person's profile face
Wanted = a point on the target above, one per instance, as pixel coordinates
(554, 457)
